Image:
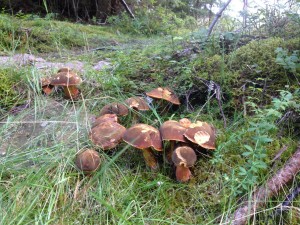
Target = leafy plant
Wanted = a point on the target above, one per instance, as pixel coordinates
(255, 140)
(289, 62)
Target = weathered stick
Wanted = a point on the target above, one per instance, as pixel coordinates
(127, 8)
(271, 188)
(217, 17)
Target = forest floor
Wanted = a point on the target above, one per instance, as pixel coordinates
(40, 135)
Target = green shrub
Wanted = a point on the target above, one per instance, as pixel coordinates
(148, 22)
(258, 70)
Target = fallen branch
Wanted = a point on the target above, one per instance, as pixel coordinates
(272, 187)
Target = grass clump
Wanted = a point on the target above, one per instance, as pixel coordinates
(11, 88)
(39, 35)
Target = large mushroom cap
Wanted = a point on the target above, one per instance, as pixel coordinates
(114, 108)
(202, 133)
(107, 135)
(172, 130)
(105, 118)
(88, 160)
(184, 156)
(137, 103)
(66, 78)
(164, 93)
(143, 136)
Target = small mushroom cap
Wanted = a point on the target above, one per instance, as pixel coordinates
(46, 86)
(45, 81)
(88, 160)
(137, 103)
(68, 78)
(143, 136)
(107, 135)
(184, 156)
(105, 118)
(202, 133)
(164, 93)
(114, 108)
(172, 130)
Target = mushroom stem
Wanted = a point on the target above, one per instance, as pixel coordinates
(169, 152)
(47, 89)
(135, 118)
(71, 92)
(150, 159)
(183, 174)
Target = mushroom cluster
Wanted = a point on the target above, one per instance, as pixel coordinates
(181, 137)
(65, 78)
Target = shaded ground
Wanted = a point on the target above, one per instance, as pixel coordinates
(42, 125)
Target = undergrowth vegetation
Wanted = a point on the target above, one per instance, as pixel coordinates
(39, 183)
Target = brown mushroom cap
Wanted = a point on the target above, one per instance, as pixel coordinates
(114, 108)
(107, 135)
(172, 130)
(68, 78)
(184, 156)
(137, 103)
(88, 160)
(105, 118)
(164, 93)
(202, 133)
(143, 136)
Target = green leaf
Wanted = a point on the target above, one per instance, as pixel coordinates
(248, 147)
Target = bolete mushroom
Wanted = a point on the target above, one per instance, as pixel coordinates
(105, 118)
(107, 135)
(172, 131)
(202, 134)
(145, 137)
(69, 81)
(114, 108)
(138, 104)
(46, 85)
(88, 160)
(183, 158)
(164, 93)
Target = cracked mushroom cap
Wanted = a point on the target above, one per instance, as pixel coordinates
(114, 108)
(66, 78)
(164, 93)
(105, 118)
(107, 135)
(184, 156)
(185, 122)
(202, 133)
(88, 160)
(172, 130)
(143, 136)
(137, 103)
